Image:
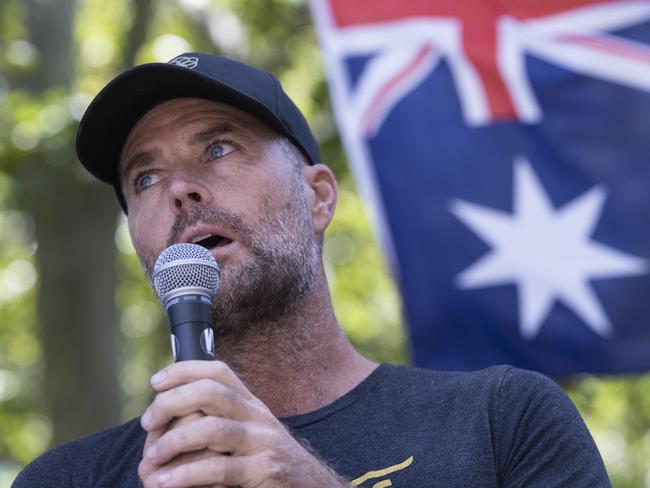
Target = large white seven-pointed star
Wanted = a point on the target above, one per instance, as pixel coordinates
(547, 252)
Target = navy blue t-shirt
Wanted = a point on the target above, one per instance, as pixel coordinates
(401, 427)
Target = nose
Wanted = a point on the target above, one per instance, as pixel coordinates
(185, 192)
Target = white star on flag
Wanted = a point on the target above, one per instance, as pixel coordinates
(547, 252)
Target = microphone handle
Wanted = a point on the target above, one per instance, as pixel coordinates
(190, 321)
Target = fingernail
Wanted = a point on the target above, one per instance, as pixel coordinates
(164, 478)
(146, 419)
(151, 453)
(158, 378)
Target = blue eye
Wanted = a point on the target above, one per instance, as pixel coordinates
(216, 151)
(144, 181)
(220, 149)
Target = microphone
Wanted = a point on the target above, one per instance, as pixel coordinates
(186, 278)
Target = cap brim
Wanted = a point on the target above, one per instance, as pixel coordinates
(115, 110)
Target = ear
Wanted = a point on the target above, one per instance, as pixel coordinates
(322, 182)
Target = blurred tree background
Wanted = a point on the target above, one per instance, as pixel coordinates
(80, 329)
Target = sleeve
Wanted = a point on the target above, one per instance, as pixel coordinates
(50, 470)
(541, 439)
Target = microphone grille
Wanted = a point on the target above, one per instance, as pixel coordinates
(185, 266)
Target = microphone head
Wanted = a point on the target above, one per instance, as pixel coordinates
(185, 268)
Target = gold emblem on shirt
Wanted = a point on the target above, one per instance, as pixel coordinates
(379, 473)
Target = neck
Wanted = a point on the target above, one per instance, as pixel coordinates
(299, 363)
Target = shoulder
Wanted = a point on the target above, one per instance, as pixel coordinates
(504, 395)
(49, 469)
(452, 388)
(87, 461)
(489, 376)
(495, 380)
(537, 435)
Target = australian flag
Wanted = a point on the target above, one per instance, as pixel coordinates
(505, 147)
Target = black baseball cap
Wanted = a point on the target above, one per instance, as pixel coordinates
(115, 110)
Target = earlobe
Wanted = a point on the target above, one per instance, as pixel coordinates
(323, 184)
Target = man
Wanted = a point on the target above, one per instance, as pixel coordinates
(205, 149)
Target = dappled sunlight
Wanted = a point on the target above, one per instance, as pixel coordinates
(18, 277)
(167, 46)
(97, 50)
(21, 53)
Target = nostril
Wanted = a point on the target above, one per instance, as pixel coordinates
(178, 203)
(194, 196)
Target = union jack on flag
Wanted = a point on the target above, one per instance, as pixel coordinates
(505, 147)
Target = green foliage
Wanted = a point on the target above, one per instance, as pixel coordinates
(24, 429)
(146, 344)
(278, 35)
(365, 300)
(617, 412)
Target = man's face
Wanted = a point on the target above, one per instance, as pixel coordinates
(194, 170)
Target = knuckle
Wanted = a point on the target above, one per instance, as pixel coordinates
(174, 393)
(271, 466)
(271, 437)
(262, 412)
(208, 388)
(265, 437)
(217, 389)
(229, 399)
(181, 436)
(238, 432)
(220, 368)
(237, 399)
(157, 406)
(229, 429)
(213, 425)
(153, 407)
(171, 440)
(144, 470)
(277, 436)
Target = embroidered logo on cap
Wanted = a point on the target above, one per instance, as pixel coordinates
(189, 62)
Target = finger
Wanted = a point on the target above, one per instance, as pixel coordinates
(149, 480)
(188, 371)
(217, 434)
(145, 468)
(207, 396)
(215, 470)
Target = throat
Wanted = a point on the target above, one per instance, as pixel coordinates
(297, 373)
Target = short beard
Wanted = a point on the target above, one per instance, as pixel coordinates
(269, 287)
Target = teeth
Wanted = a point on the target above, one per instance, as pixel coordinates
(200, 238)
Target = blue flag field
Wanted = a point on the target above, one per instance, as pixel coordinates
(505, 149)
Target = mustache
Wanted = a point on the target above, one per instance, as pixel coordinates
(216, 216)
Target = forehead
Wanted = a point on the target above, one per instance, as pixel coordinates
(190, 115)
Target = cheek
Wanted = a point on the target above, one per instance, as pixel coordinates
(136, 233)
(147, 233)
(276, 191)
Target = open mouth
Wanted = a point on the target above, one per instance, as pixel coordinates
(210, 241)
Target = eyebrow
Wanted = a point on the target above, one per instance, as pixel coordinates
(209, 134)
(140, 159)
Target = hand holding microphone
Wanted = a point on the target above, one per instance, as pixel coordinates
(186, 279)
